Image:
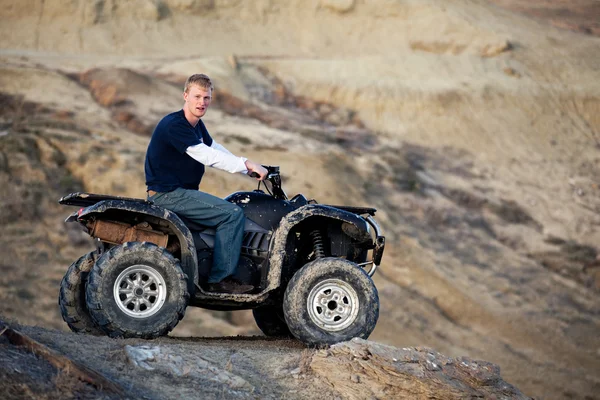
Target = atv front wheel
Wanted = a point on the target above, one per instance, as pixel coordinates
(271, 321)
(330, 300)
(137, 290)
(71, 298)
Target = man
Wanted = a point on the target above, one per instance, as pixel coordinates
(179, 150)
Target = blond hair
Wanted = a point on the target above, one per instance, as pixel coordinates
(198, 79)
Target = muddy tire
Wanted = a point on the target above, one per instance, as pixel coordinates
(330, 300)
(271, 321)
(71, 298)
(137, 290)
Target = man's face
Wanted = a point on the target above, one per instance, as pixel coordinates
(197, 100)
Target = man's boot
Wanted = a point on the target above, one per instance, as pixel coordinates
(229, 285)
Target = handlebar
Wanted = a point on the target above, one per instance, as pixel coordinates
(274, 177)
(272, 171)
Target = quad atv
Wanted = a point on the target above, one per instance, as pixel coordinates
(310, 265)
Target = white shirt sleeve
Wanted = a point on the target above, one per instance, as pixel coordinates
(219, 147)
(217, 158)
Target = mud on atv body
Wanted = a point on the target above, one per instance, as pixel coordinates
(299, 255)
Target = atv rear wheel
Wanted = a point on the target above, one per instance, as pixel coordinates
(71, 298)
(271, 321)
(137, 290)
(331, 300)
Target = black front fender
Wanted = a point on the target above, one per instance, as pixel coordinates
(278, 243)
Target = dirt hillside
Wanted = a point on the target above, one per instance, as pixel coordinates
(472, 126)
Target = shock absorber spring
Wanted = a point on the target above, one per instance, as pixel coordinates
(318, 245)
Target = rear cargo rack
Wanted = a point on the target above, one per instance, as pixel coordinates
(83, 199)
(356, 210)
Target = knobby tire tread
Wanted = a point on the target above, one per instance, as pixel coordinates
(94, 292)
(71, 299)
(296, 294)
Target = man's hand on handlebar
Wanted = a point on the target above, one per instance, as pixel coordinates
(256, 170)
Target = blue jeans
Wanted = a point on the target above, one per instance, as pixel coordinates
(212, 212)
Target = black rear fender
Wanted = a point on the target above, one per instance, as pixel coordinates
(333, 223)
(123, 220)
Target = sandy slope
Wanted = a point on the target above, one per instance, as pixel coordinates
(484, 132)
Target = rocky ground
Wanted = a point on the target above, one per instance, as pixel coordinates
(473, 127)
(241, 367)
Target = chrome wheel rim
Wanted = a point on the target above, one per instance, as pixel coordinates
(333, 305)
(140, 291)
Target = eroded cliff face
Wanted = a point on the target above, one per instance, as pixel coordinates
(475, 131)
